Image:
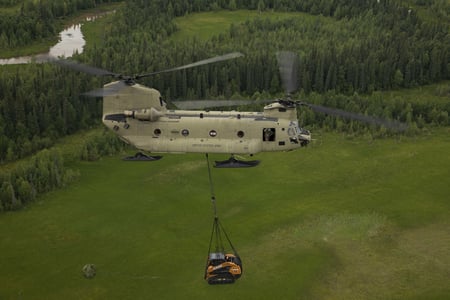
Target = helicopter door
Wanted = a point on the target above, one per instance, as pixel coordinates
(269, 134)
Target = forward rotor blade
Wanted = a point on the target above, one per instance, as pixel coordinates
(83, 68)
(391, 124)
(287, 63)
(196, 64)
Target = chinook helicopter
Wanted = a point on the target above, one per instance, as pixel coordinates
(140, 117)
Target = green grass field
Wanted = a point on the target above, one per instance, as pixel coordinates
(341, 219)
(208, 24)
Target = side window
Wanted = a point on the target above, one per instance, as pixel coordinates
(269, 134)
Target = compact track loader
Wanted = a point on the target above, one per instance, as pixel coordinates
(221, 267)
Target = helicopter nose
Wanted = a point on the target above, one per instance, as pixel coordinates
(304, 138)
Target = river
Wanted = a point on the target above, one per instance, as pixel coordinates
(71, 40)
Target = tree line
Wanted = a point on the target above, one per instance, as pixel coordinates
(349, 47)
(47, 170)
(372, 46)
(39, 104)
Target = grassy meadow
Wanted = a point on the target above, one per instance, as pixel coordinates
(342, 219)
(205, 25)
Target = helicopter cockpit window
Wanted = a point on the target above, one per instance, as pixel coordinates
(269, 134)
(291, 131)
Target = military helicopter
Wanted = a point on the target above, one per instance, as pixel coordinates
(140, 117)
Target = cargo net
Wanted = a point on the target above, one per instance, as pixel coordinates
(221, 267)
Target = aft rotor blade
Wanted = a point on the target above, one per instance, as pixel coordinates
(391, 124)
(83, 68)
(287, 63)
(196, 64)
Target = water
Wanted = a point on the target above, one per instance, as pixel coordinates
(71, 41)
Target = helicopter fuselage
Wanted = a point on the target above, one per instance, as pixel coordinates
(150, 126)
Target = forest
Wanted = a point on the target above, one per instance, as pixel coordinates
(29, 21)
(349, 53)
